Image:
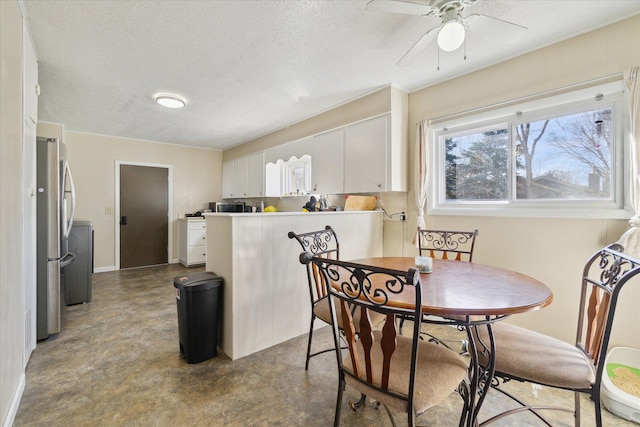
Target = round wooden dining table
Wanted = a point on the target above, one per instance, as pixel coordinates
(465, 288)
(471, 296)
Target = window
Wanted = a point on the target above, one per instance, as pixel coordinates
(290, 178)
(298, 176)
(561, 154)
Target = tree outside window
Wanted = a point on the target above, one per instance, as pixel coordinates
(566, 157)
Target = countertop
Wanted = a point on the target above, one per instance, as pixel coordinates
(245, 214)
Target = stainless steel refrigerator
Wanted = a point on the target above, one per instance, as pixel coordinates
(56, 202)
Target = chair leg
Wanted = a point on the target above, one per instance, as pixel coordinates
(576, 414)
(341, 386)
(355, 405)
(598, 409)
(306, 365)
(401, 324)
(393, 421)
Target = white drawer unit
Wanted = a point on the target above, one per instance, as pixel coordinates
(192, 241)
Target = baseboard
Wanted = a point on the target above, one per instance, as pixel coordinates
(15, 402)
(113, 267)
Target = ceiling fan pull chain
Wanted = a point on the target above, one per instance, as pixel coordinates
(465, 49)
(438, 69)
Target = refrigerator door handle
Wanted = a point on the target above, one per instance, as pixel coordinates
(68, 223)
(67, 259)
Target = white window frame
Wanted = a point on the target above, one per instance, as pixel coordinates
(530, 111)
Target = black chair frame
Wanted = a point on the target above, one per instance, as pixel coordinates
(603, 277)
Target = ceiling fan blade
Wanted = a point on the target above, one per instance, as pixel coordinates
(505, 31)
(418, 47)
(399, 6)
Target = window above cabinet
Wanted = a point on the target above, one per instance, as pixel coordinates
(290, 178)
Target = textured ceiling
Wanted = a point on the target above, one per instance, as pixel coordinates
(247, 68)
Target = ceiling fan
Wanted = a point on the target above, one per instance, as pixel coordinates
(450, 34)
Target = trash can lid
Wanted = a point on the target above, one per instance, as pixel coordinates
(194, 279)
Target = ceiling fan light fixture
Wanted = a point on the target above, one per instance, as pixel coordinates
(170, 101)
(452, 33)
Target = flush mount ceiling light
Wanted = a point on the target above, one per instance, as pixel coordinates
(452, 32)
(170, 101)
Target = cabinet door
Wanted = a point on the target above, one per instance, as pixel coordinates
(327, 161)
(366, 156)
(240, 177)
(256, 175)
(227, 179)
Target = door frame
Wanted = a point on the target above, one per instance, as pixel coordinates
(169, 206)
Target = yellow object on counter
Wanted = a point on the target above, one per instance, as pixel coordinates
(270, 209)
(360, 203)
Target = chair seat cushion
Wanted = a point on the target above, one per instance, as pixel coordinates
(439, 372)
(539, 358)
(322, 311)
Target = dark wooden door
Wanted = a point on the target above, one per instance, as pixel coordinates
(144, 221)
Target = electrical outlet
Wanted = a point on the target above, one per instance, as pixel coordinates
(108, 211)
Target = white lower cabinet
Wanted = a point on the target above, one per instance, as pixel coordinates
(192, 241)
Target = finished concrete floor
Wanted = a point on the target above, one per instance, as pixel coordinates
(117, 363)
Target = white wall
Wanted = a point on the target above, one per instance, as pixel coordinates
(12, 330)
(552, 250)
(197, 180)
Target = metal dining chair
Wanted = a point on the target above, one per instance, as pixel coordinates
(321, 243)
(404, 374)
(445, 244)
(529, 356)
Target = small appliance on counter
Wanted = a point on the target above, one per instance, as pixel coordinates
(227, 206)
(194, 215)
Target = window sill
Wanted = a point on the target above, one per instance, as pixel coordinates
(533, 212)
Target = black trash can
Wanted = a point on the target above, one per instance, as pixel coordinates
(198, 297)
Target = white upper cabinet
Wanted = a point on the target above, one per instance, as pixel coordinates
(373, 159)
(256, 175)
(243, 177)
(227, 179)
(240, 177)
(327, 161)
(365, 157)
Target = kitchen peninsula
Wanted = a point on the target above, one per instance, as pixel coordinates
(266, 296)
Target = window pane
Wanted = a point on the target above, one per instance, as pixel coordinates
(567, 157)
(476, 166)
